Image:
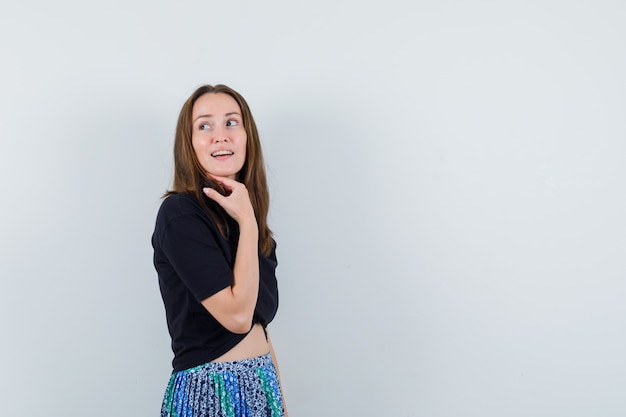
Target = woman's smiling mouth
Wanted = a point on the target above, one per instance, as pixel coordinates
(221, 153)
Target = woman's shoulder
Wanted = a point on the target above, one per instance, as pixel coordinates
(179, 201)
(183, 213)
(178, 205)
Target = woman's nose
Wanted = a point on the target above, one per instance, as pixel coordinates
(219, 135)
(218, 139)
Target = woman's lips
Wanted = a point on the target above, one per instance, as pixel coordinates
(223, 153)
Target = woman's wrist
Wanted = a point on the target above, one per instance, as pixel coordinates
(249, 227)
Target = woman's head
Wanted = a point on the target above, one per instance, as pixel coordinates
(190, 165)
(216, 135)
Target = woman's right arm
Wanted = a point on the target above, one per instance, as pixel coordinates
(234, 306)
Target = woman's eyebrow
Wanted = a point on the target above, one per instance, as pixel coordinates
(201, 116)
(210, 115)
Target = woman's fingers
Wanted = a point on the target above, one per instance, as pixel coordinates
(225, 182)
(213, 195)
(237, 204)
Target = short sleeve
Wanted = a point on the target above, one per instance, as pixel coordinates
(194, 252)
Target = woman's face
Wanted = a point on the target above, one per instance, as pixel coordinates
(218, 136)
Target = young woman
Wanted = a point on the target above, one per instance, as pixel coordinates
(216, 260)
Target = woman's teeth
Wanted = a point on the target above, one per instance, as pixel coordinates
(221, 153)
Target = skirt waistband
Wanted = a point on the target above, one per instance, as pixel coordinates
(234, 366)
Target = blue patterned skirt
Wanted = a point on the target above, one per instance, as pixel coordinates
(246, 388)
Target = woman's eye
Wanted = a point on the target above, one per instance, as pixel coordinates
(204, 126)
(232, 123)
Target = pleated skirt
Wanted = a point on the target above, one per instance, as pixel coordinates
(246, 388)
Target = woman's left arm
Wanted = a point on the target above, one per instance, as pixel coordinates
(282, 393)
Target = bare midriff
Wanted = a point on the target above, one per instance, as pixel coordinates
(253, 345)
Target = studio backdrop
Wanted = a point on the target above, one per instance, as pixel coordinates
(447, 192)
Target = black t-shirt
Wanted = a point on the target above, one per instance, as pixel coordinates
(194, 261)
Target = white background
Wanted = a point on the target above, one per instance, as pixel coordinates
(447, 185)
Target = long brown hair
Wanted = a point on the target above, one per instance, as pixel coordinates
(190, 177)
